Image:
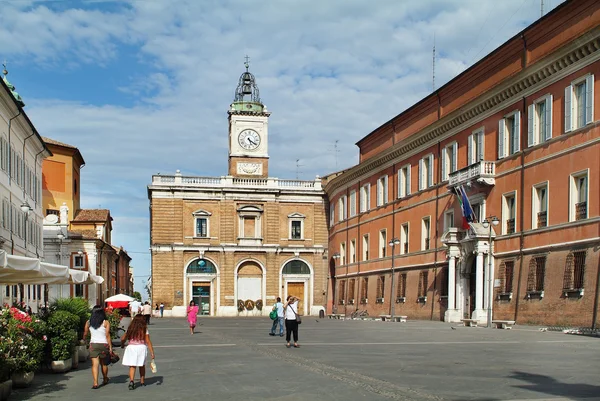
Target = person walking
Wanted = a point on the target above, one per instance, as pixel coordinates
(192, 315)
(147, 311)
(280, 318)
(137, 349)
(134, 308)
(100, 343)
(162, 309)
(291, 320)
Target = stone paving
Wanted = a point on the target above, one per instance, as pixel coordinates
(235, 359)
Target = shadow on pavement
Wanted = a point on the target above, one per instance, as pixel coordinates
(548, 385)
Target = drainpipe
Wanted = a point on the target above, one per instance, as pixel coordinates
(12, 242)
(596, 300)
(437, 206)
(37, 249)
(521, 220)
(395, 198)
(359, 239)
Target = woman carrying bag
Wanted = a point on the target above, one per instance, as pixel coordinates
(292, 320)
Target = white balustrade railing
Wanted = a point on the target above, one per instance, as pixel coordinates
(229, 181)
(483, 169)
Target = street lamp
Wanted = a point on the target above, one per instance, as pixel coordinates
(486, 224)
(25, 208)
(393, 242)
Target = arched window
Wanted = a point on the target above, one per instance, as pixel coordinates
(202, 266)
(296, 267)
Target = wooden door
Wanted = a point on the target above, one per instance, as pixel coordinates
(297, 290)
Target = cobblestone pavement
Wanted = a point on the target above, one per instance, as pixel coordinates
(235, 359)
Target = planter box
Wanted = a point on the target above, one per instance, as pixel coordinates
(83, 353)
(5, 390)
(22, 379)
(75, 359)
(61, 366)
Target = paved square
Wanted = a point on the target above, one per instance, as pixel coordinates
(236, 359)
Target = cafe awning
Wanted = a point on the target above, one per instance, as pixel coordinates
(24, 270)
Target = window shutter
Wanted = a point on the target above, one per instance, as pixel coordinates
(501, 139)
(548, 117)
(517, 131)
(589, 98)
(385, 190)
(455, 159)
(444, 157)
(430, 178)
(531, 125)
(421, 171)
(568, 108)
(481, 143)
(368, 196)
(408, 180)
(470, 142)
(400, 183)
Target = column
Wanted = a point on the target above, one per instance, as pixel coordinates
(479, 282)
(451, 282)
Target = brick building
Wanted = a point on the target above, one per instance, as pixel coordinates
(230, 241)
(518, 135)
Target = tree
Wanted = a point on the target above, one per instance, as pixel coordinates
(137, 295)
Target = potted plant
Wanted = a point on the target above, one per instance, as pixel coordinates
(79, 307)
(23, 341)
(62, 329)
(5, 382)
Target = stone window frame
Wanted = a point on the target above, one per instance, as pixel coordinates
(296, 217)
(201, 214)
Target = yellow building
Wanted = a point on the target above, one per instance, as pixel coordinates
(234, 242)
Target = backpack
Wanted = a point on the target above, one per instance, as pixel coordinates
(273, 314)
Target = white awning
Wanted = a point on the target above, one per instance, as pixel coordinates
(23, 270)
(83, 277)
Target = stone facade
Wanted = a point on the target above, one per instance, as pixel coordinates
(228, 242)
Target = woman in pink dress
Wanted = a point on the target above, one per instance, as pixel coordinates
(192, 315)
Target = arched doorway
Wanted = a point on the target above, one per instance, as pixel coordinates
(201, 274)
(297, 276)
(250, 282)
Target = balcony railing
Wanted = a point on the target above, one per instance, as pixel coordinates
(510, 226)
(406, 247)
(542, 219)
(581, 211)
(426, 244)
(482, 172)
(229, 181)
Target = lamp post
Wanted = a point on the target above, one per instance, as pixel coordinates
(393, 242)
(486, 224)
(25, 208)
(335, 257)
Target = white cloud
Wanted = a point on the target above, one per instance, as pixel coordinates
(327, 70)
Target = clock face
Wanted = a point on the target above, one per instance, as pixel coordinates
(249, 139)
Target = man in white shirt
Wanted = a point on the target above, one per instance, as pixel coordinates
(279, 307)
(134, 308)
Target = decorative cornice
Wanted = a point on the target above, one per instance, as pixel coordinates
(502, 95)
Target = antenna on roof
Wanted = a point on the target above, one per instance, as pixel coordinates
(298, 165)
(433, 66)
(335, 152)
(542, 10)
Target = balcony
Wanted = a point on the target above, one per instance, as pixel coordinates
(483, 172)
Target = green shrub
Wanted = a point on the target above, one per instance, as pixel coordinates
(63, 345)
(62, 330)
(76, 306)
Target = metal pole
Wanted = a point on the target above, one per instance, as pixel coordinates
(489, 271)
(392, 300)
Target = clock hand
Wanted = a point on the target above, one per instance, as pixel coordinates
(251, 141)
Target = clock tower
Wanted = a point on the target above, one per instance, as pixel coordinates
(248, 130)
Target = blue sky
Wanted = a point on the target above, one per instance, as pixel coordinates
(142, 87)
